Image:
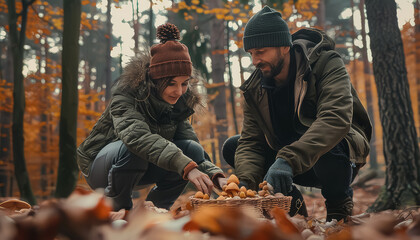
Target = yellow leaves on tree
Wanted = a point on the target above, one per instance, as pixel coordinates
(232, 11)
(219, 51)
(42, 18)
(6, 96)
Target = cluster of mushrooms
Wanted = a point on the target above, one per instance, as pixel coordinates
(232, 191)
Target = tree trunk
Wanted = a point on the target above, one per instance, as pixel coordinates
(17, 43)
(368, 88)
(231, 87)
(241, 68)
(136, 26)
(353, 37)
(108, 52)
(86, 86)
(43, 54)
(67, 168)
(6, 175)
(218, 64)
(417, 41)
(151, 25)
(401, 150)
(320, 14)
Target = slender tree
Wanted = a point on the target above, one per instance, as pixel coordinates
(17, 41)
(401, 150)
(218, 64)
(6, 176)
(417, 40)
(67, 168)
(231, 87)
(136, 25)
(108, 60)
(320, 14)
(353, 37)
(368, 88)
(151, 24)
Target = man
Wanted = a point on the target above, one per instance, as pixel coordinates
(303, 121)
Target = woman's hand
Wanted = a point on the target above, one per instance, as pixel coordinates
(201, 181)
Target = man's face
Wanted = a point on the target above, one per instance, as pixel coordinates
(269, 59)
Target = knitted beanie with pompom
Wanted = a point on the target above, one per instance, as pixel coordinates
(170, 58)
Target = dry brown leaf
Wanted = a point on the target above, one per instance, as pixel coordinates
(344, 234)
(140, 222)
(266, 231)
(13, 206)
(282, 221)
(234, 223)
(120, 215)
(82, 206)
(414, 229)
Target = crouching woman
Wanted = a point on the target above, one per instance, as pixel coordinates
(144, 136)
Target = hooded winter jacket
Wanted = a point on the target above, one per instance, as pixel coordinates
(326, 106)
(146, 124)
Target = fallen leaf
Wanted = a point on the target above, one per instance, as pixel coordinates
(283, 223)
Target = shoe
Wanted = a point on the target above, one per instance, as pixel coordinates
(297, 205)
(339, 209)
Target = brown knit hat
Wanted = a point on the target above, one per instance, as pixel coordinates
(170, 58)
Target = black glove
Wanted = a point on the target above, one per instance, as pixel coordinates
(280, 175)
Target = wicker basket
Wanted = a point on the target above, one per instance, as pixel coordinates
(259, 205)
(269, 203)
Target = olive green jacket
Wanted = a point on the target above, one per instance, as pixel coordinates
(144, 123)
(326, 105)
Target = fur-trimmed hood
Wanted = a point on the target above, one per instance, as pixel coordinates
(135, 76)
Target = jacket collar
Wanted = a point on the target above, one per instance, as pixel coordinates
(162, 111)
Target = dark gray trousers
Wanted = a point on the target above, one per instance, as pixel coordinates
(118, 171)
(332, 173)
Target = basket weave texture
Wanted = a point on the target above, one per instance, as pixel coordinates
(261, 204)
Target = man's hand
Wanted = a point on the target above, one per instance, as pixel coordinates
(201, 181)
(222, 181)
(280, 175)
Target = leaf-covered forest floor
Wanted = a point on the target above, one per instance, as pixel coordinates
(362, 198)
(87, 215)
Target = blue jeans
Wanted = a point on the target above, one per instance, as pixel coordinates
(118, 171)
(332, 173)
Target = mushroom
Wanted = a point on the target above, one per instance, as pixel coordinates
(279, 194)
(232, 187)
(233, 179)
(199, 194)
(250, 193)
(262, 193)
(15, 205)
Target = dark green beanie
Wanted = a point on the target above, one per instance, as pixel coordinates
(266, 29)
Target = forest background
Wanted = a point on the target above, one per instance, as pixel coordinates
(110, 32)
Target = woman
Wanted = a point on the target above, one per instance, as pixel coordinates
(144, 135)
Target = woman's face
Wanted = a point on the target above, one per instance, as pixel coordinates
(176, 87)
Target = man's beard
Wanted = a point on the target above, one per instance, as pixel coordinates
(274, 69)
